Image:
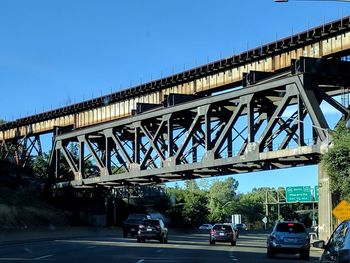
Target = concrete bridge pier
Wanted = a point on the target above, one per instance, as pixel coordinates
(324, 204)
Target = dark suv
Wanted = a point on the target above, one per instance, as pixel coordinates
(152, 229)
(337, 249)
(131, 224)
(289, 238)
(223, 233)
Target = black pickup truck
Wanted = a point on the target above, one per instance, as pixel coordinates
(131, 224)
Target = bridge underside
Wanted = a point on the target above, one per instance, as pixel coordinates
(271, 123)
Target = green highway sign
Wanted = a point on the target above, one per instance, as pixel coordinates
(316, 193)
(298, 194)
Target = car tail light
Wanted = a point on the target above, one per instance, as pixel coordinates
(212, 231)
(158, 226)
(290, 224)
(141, 226)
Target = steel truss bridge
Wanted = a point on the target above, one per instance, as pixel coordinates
(176, 128)
(261, 126)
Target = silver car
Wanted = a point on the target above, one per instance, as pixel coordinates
(289, 238)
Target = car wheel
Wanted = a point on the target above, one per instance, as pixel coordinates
(166, 240)
(212, 242)
(270, 252)
(305, 255)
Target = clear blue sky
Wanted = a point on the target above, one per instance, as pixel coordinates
(53, 53)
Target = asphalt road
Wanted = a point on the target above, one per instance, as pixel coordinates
(181, 247)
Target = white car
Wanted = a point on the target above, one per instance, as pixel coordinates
(205, 227)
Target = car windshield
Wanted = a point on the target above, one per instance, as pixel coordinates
(136, 217)
(151, 222)
(222, 227)
(290, 227)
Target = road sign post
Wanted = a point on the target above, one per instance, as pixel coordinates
(265, 221)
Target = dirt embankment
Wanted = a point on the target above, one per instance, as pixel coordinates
(22, 203)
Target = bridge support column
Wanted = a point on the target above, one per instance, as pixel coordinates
(324, 204)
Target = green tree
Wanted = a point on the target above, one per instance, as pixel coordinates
(337, 162)
(176, 203)
(195, 209)
(251, 207)
(221, 197)
(40, 164)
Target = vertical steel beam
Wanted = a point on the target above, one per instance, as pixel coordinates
(301, 116)
(250, 119)
(81, 172)
(137, 144)
(170, 135)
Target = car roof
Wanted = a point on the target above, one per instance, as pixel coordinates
(223, 224)
(289, 222)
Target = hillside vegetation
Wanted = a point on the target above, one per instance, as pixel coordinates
(22, 204)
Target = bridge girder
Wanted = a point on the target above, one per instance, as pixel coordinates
(260, 127)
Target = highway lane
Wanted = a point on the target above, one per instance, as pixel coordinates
(182, 247)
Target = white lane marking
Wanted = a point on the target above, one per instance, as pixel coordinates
(14, 259)
(140, 261)
(91, 247)
(25, 259)
(43, 257)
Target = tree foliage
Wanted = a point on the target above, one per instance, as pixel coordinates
(40, 164)
(221, 197)
(337, 162)
(195, 209)
(251, 206)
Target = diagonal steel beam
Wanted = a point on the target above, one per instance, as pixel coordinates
(116, 140)
(227, 128)
(152, 141)
(99, 162)
(67, 155)
(307, 88)
(274, 118)
(194, 124)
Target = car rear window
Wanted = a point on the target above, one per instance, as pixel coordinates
(291, 227)
(222, 227)
(151, 222)
(136, 217)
